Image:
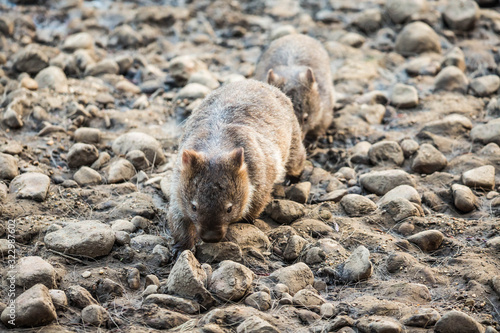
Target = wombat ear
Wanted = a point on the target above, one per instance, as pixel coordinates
(191, 159)
(272, 78)
(308, 77)
(237, 158)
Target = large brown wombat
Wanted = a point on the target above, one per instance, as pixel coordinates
(300, 67)
(242, 139)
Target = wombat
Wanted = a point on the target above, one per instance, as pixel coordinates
(300, 67)
(243, 138)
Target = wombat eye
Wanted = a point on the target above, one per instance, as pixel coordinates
(193, 207)
(305, 117)
(230, 209)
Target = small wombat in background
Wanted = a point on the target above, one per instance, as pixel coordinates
(300, 67)
(242, 139)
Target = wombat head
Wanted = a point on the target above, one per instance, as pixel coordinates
(301, 87)
(214, 191)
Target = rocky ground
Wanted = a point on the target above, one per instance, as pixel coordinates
(393, 226)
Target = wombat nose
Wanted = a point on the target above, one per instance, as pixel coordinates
(211, 236)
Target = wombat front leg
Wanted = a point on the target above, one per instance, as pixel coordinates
(297, 157)
(183, 232)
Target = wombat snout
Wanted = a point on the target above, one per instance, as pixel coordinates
(212, 236)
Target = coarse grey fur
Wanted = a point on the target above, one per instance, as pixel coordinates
(236, 145)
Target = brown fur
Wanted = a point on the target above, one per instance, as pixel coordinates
(241, 140)
(300, 67)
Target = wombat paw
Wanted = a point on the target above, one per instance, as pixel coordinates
(177, 249)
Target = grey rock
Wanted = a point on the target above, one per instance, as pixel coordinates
(81, 40)
(494, 243)
(416, 38)
(404, 96)
(453, 319)
(33, 308)
(31, 60)
(489, 132)
(247, 235)
(187, 279)
(307, 298)
(34, 270)
(79, 296)
(174, 303)
(455, 57)
(480, 178)
(82, 154)
(260, 300)
(88, 135)
(30, 185)
(8, 166)
(357, 267)
(357, 205)
(138, 159)
(12, 119)
(106, 66)
(400, 209)
(428, 240)
(485, 85)
(359, 153)
(495, 283)
(294, 247)
(295, 277)
(404, 191)
(59, 299)
(125, 36)
(108, 289)
(256, 325)
(312, 228)
(192, 91)
(369, 20)
(122, 237)
(463, 198)
(123, 225)
(425, 317)
(461, 14)
(52, 78)
(299, 192)
(428, 160)
(285, 211)
(217, 252)
(102, 160)
(182, 67)
(452, 125)
(451, 78)
(378, 324)
(381, 182)
(95, 315)
(85, 238)
(401, 10)
(86, 176)
(133, 278)
(386, 152)
(231, 281)
(314, 255)
(140, 141)
(146, 243)
(205, 78)
(119, 171)
(3, 192)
